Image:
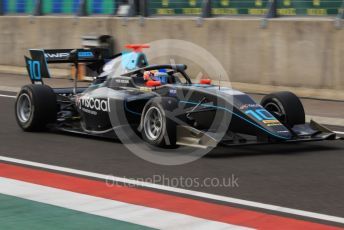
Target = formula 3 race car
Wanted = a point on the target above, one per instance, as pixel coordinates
(158, 103)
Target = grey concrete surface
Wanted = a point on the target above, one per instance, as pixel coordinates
(306, 176)
(289, 52)
(328, 94)
(13, 83)
(21, 70)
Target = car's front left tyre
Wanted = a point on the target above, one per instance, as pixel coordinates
(35, 107)
(157, 129)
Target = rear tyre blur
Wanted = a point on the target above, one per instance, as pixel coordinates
(35, 107)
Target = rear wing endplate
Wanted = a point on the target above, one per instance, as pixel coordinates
(37, 65)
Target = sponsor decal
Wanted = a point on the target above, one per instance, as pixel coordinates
(122, 81)
(275, 124)
(270, 121)
(145, 89)
(172, 92)
(247, 106)
(85, 54)
(57, 55)
(93, 104)
(89, 111)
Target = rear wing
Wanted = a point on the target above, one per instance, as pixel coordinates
(37, 65)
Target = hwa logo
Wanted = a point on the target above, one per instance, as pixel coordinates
(84, 54)
(56, 55)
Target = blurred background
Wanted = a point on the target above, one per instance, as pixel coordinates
(176, 7)
(290, 44)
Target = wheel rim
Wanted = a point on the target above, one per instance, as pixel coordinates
(24, 108)
(276, 110)
(153, 123)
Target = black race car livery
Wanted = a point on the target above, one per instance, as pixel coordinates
(158, 103)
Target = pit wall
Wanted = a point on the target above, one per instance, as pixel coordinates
(306, 53)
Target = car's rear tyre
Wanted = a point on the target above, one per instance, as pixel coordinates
(35, 107)
(286, 107)
(157, 128)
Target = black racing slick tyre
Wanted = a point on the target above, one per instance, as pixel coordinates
(35, 107)
(157, 128)
(286, 107)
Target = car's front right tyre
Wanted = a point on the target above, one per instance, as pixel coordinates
(286, 107)
(35, 107)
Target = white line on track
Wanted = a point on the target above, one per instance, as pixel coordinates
(10, 96)
(179, 190)
(326, 120)
(338, 132)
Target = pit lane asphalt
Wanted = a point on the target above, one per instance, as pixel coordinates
(305, 176)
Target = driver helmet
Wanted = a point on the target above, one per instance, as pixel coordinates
(148, 75)
(156, 75)
(161, 76)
